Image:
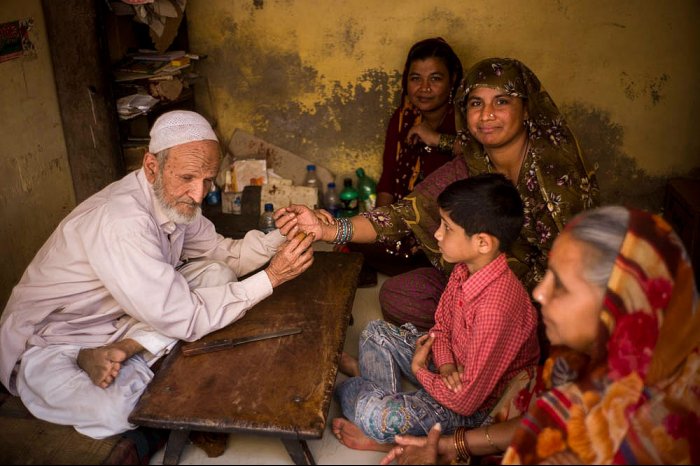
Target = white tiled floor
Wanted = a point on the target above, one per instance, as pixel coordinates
(249, 449)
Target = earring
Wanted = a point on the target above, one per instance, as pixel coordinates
(449, 99)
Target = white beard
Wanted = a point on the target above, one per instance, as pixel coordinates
(169, 210)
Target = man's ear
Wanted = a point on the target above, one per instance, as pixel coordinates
(150, 167)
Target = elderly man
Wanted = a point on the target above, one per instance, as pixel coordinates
(126, 274)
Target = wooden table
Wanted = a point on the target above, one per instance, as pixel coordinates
(280, 387)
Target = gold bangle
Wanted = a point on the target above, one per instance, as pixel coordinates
(464, 454)
(488, 438)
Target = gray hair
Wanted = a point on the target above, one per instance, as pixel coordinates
(162, 157)
(603, 230)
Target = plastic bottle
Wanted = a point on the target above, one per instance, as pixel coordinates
(311, 180)
(348, 198)
(367, 188)
(331, 200)
(213, 197)
(267, 222)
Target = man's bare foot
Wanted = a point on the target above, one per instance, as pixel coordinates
(102, 364)
(352, 436)
(349, 365)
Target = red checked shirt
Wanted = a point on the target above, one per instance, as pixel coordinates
(486, 323)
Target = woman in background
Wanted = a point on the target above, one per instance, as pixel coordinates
(419, 139)
(421, 132)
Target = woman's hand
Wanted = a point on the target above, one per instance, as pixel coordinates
(415, 450)
(423, 133)
(307, 220)
(422, 353)
(294, 257)
(324, 216)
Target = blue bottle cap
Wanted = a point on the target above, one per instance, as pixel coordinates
(269, 207)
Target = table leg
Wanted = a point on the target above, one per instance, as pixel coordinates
(175, 445)
(299, 451)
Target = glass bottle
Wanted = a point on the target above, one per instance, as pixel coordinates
(331, 200)
(311, 180)
(367, 188)
(267, 221)
(348, 199)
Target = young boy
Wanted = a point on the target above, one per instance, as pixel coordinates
(484, 332)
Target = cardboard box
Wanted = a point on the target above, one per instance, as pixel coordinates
(281, 193)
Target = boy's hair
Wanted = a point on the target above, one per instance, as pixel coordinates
(486, 203)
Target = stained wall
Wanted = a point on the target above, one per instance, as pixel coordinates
(321, 78)
(36, 191)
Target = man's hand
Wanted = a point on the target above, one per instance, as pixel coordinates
(294, 257)
(420, 357)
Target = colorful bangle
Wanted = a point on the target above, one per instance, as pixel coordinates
(446, 142)
(344, 232)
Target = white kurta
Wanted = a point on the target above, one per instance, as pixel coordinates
(109, 270)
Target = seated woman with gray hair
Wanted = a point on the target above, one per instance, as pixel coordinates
(619, 301)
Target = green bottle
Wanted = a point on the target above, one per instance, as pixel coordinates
(367, 188)
(348, 199)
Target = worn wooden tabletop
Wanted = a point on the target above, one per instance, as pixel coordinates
(282, 386)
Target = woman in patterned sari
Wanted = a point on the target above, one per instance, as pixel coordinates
(620, 302)
(630, 391)
(509, 124)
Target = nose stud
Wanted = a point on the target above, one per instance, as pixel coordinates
(491, 115)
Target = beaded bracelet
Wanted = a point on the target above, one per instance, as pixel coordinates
(344, 232)
(446, 142)
(464, 454)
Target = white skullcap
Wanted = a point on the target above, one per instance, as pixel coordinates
(179, 127)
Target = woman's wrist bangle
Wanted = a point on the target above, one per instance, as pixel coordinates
(488, 439)
(464, 454)
(446, 142)
(344, 231)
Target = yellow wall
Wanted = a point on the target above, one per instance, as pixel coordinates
(36, 191)
(320, 78)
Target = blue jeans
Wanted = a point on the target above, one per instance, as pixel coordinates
(374, 401)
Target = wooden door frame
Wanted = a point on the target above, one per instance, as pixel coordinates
(75, 30)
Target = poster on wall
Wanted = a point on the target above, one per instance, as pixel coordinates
(14, 39)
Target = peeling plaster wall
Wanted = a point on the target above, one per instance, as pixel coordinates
(36, 192)
(322, 78)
